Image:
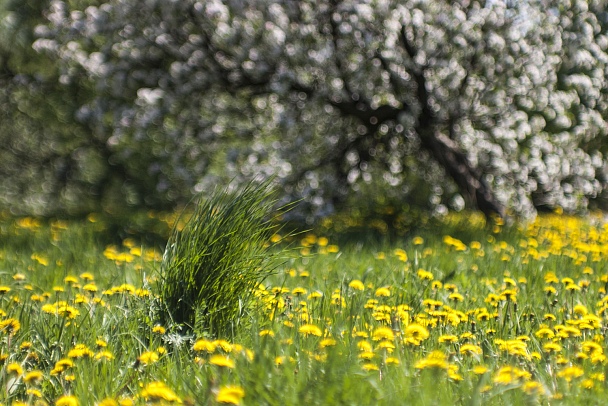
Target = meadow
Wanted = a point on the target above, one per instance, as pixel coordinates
(454, 312)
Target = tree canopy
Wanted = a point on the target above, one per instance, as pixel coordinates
(497, 105)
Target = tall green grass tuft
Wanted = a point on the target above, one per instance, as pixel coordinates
(212, 265)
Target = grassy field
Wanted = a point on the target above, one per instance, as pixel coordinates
(459, 312)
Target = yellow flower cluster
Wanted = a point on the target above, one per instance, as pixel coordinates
(523, 310)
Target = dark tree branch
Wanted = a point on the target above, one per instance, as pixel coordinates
(368, 116)
(411, 51)
(446, 151)
(394, 79)
(437, 134)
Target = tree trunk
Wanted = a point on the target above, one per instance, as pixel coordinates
(468, 178)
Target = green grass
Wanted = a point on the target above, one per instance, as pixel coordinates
(215, 260)
(311, 335)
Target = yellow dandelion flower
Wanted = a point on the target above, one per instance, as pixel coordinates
(10, 326)
(104, 355)
(450, 287)
(453, 373)
(533, 388)
(550, 277)
(480, 369)
(364, 346)
(33, 377)
(320, 357)
(148, 357)
(598, 357)
(470, 349)
(360, 334)
(67, 400)
(456, 297)
(383, 333)
(425, 275)
(392, 361)
(552, 347)
(315, 295)
(14, 369)
(366, 355)
(356, 284)
(310, 329)
(80, 351)
(509, 374)
(432, 304)
(570, 373)
(32, 392)
(68, 312)
(573, 287)
(545, 333)
(42, 260)
(435, 360)
(549, 317)
(447, 338)
(203, 345)
(401, 254)
(268, 333)
(221, 361)
(590, 347)
(158, 392)
(370, 367)
(580, 310)
(327, 342)
(415, 333)
(332, 249)
(224, 345)
(80, 298)
(62, 365)
(90, 287)
(231, 395)
(389, 346)
(70, 280)
(600, 377)
(383, 292)
(568, 331)
(509, 295)
(87, 276)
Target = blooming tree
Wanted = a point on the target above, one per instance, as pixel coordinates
(496, 104)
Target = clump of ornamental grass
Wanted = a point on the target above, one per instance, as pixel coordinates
(212, 265)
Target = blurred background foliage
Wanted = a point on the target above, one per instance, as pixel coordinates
(397, 110)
